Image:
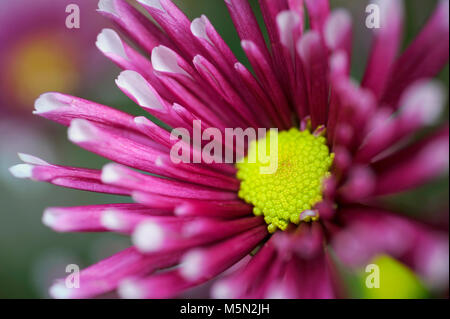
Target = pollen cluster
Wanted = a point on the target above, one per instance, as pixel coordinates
(303, 161)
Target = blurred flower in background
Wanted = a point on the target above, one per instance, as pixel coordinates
(38, 52)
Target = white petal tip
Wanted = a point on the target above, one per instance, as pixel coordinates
(130, 289)
(436, 155)
(191, 265)
(110, 219)
(180, 210)
(30, 159)
(60, 291)
(247, 44)
(111, 173)
(159, 162)
(134, 84)
(277, 292)
(48, 102)
(287, 21)
(424, 101)
(339, 61)
(166, 60)
(141, 120)
(198, 28)
(81, 131)
(22, 170)
(288, 17)
(107, 6)
(338, 23)
(148, 237)
(305, 44)
(108, 41)
(156, 4)
(221, 290)
(50, 217)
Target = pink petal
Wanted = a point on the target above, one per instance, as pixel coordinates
(105, 275)
(133, 23)
(208, 262)
(385, 46)
(414, 165)
(424, 58)
(315, 65)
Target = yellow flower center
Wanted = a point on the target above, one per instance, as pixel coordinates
(303, 161)
(41, 62)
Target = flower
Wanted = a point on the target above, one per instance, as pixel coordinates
(341, 146)
(38, 52)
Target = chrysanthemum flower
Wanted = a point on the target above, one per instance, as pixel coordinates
(342, 145)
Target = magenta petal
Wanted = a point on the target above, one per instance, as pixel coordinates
(133, 23)
(286, 286)
(217, 50)
(352, 109)
(265, 73)
(246, 24)
(385, 47)
(119, 146)
(317, 278)
(63, 108)
(106, 274)
(369, 232)
(206, 263)
(315, 65)
(167, 202)
(143, 93)
(424, 58)
(127, 58)
(338, 34)
(360, 184)
(224, 209)
(275, 270)
(175, 23)
(160, 286)
(339, 66)
(420, 105)
(259, 94)
(318, 11)
(153, 236)
(414, 165)
(216, 80)
(284, 26)
(92, 218)
(303, 280)
(115, 174)
(241, 282)
(65, 176)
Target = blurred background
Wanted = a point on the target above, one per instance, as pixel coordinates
(38, 53)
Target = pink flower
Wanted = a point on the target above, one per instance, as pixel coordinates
(192, 216)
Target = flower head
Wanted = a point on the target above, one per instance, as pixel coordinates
(341, 145)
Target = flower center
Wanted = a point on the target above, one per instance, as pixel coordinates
(303, 161)
(38, 63)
